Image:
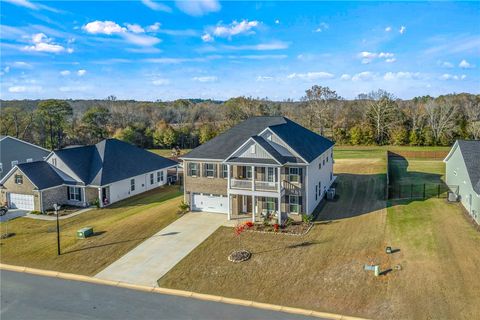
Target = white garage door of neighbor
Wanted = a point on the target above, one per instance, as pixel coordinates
(210, 203)
(21, 201)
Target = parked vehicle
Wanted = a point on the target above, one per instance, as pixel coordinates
(3, 210)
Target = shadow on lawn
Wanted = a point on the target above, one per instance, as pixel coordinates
(359, 194)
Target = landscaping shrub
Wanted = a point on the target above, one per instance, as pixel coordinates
(183, 208)
(36, 212)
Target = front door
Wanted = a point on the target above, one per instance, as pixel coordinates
(246, 204)
(106, 195)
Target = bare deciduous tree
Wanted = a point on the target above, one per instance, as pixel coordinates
(319, 103)
(441, 117)
(382, 114)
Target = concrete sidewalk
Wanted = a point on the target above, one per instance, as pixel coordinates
(154, 257)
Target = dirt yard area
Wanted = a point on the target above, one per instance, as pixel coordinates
(439, 253)
(118, 228)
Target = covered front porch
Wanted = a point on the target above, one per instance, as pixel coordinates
(257, 208)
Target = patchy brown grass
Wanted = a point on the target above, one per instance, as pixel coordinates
(323, 270)
(119, 228)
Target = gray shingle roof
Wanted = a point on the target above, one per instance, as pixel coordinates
(111, 160)
(252, 160)
(471, 154)
(42, 174)
(306, 143)
(270, 149)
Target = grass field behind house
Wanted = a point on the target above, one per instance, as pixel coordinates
(438, 250)
(119, 228)
(370, 152)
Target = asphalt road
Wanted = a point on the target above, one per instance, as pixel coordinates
(26, 296)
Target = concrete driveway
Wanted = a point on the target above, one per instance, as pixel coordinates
(13, 213)
(154, 257)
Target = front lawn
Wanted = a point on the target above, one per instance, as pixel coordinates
(118, 229)
(436, 248)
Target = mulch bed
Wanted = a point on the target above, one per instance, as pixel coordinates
(239, 256)
(296, 228)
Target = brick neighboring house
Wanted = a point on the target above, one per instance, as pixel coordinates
(462, 166)
(14, 151)
(107, 172)
(264, 165)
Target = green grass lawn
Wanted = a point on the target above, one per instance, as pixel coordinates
(369, 152)
(118, 229)
(167, 153)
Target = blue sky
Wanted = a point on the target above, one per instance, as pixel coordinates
(149, 50)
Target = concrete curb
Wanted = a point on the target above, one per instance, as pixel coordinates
(180, 293)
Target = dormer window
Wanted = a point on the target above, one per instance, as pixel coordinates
(54, 162)
(252, 149)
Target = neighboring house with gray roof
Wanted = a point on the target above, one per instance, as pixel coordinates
(263, 165)
(14, 151)
(107, 172)
(463, 170)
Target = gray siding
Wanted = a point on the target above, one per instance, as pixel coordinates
(456, 175)
(12, 149)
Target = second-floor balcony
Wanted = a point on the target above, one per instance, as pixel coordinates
(248, 184)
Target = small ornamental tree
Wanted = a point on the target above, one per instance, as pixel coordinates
(240, 254)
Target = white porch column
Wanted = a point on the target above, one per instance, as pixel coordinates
(100, 200)
(84, 193)
(253, 178)
(229, 176)
(278, 179)
(279, 209)
(254, 208)
(229, 208)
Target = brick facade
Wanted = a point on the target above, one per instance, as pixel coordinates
(26, 187)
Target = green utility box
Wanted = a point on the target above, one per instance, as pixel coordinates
(85, 232)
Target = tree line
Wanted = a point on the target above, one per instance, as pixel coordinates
(375, 118)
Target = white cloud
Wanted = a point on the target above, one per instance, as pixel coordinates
(464, 64)
(21, 65)
(205, 79)
(388, 29)
(391, 76)
(141, 40)
(41, 43)
(156, 6)
(322, 27)
(263, 78)
(199, 7)
(235, 28)
(23, 89)
(207, 37)
(103, 27)
(135, 28)
(345, 77)
(447, 76)
(368, 57)
(30, 5)
(81, 72)
(402, 29)
(445, 64)
(276, 45)
(161, 82)
(65, 72)
(363, 76)
(259, 56)
(154, 27)
(311, 75)
(277, 21)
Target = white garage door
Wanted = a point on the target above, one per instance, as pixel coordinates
(210, 203)
(21, 201)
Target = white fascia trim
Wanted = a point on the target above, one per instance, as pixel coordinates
(31, 144)
(452, 151)
(11, 172)
(245, 143)
(200, 159)
(290, 147)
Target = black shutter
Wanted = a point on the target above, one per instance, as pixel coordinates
(215, 169)
(300, 172)
(80, 194)
(300, 204)
(287, 199)
(68, 193)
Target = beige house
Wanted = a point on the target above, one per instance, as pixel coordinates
(263, 166)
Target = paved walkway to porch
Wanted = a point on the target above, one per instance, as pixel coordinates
(154, 257)
(54, 217)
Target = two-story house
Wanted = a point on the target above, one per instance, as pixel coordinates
(264, 165)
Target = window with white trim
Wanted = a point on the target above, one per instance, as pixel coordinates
(252, 149)
(158, 176)
(152, 178)
(193, 169)
(316, 192)
(248, 172)
(323, 162)
(132, 184)
(224, 171)
(294, 174)
(74, 194)
(18, 179)
(161, 176)
(29, 160)
(319, 187)
(270, 174)
(320, 165)
(270, 204)
(209, 170)
(294, 204)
